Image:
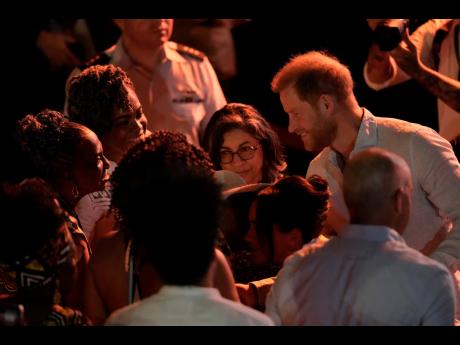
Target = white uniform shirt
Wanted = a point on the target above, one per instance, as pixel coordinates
(183, 92)
(367, 276)
(187, 306)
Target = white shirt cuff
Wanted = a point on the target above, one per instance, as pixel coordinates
(380, 86)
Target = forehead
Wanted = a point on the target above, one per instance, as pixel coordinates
(289, 97)
(235, 137)
(132, 96)
(90, 144)
(133, 102)
(291, 101)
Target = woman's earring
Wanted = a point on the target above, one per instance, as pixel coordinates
(75, 191)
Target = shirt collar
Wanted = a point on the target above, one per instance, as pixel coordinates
(371, 233)
(188, 290)
(367, 137)
(367, 133)
(168, 51)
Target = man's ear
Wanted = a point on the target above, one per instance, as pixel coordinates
(295, 239)
(326, 104)
(398, 201)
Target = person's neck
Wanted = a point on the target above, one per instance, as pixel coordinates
(351, 115)
(112, 152)
(64, 191)
(385, 219)
(206, 282)
(146, 57)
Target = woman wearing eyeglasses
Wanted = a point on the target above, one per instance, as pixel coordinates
(239, 139)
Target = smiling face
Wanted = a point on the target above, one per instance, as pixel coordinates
(129, 126)
(249, 169)
(313, 126)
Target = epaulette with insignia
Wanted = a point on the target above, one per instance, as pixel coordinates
(189, 51)
(99, 59)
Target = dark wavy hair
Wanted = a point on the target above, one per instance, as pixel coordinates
(247, 118)
(95, 93)
(31, 208)
(166, 201)
(293, 202)
(51, 142)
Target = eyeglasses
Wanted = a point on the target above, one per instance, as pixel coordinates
(245, 153)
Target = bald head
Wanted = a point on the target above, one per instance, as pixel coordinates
(377, 187)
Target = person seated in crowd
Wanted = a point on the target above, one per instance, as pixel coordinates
(108, 280)
(239, 139)
(234, 223)
(367, 275)
(283, 217)
(178, 241)
(69, 157)
(37, 256)
(177, 86)
(103, 99)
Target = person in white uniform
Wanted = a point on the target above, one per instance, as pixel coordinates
(176, 85)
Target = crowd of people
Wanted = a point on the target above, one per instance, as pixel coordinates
(148, 199)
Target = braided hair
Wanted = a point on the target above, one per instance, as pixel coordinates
(51, 142)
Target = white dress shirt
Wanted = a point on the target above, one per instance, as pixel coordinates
(435, 175)
(367, 276)
(187, 306)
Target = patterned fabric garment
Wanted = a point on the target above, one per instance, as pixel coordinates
(77, 233)
(35, 270)
(63, 316)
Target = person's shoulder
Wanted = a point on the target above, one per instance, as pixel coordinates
(411, 133)
(112, 241)
(65, 316)
(102, 58)
(239, 314)
(296, 260)
(187, 52)
(398, 126)
(107, 250)
(411, 260)
(125, 316)
(318, 163)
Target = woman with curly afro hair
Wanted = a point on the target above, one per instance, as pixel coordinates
(163, 192)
